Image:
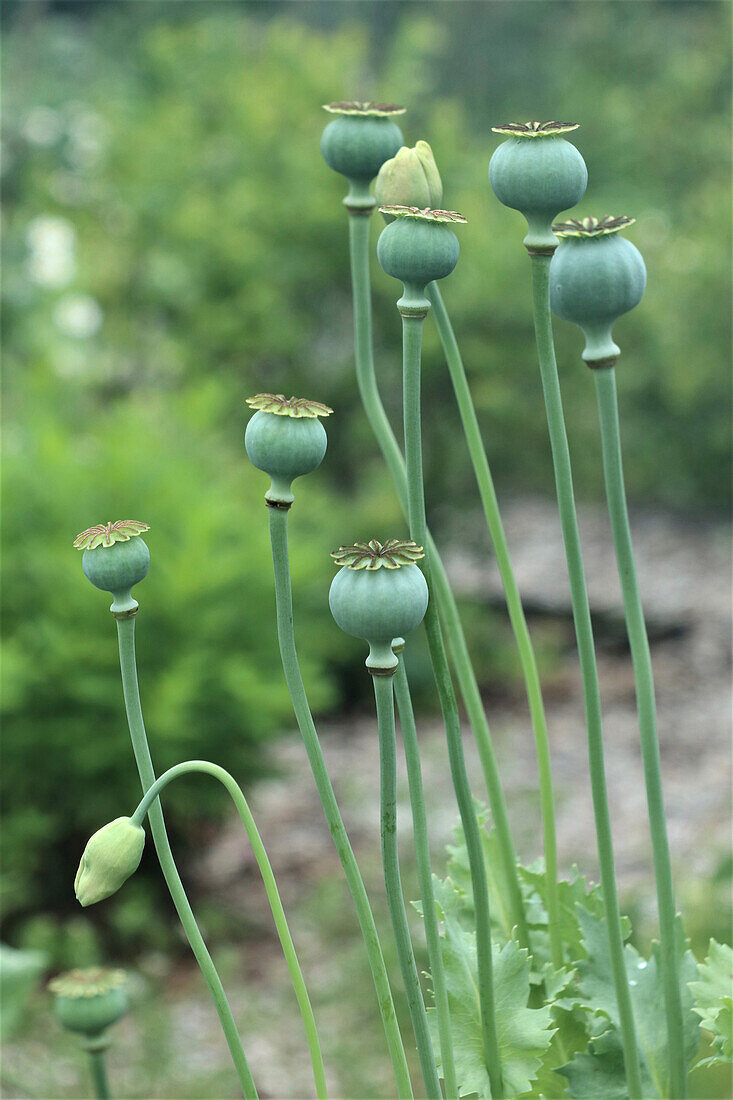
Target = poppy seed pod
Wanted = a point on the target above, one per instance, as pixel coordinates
(417, 248)
(595, 276)
(358, 142)
(410, 178)
(539, 173)
(89, 1001)
(286, 439)
(379, 594)
(115, 558)
(111, 855)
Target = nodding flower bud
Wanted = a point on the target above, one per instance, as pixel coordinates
(358, 142)
(286, 439)
(379, 594)
(539, 173)
(418, 247)
(410, 178)
(89, 1001)
(595, 276)
(112, 854)
(115, 559)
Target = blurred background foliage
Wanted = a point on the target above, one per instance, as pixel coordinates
(174, 243)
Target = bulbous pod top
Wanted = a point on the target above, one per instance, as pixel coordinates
(410, 178)
(89, 1001)
(286, 439)
(115, 558)
(358, 142)
(595, 276)
(379, 594)
(539, 173)
(418, 247)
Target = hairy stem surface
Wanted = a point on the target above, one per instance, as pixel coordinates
(587, 657)
(126, 639)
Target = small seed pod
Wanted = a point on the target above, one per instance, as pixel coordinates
(111, 855)
(115, 558)
(89, 1001)
(539, 173)
(595, 276)
(410, 178)
(358, 142)
(379, 594)
(286, 439)
(417, 248)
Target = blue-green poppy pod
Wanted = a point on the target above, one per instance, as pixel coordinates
(115, 558)
(379, 594)
(417, 248)
(89, 1001)
(538, 172)
(286, 439)
(359, 140)
(596, 276)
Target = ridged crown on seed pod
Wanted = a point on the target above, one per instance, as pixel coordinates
(361, 137)
(410, 178)
(538, 172)
(596, 275)
(111, 855)
(88, 1001)
(115, 558)
(418, 247)
(379, 594)
(285, 439)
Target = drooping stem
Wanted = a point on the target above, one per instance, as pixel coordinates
(273, 895)
(587, 657)
(395, 901)
(99, 1075)
(514, 606)
(291, 667)
(605, 381)
(441, 590)
(411, 347)
(422, 857)
(126, 639)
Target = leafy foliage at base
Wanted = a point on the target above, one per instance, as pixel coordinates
(713, 1000)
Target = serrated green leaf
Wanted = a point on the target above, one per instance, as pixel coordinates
(713, 1000)
(524, 1033)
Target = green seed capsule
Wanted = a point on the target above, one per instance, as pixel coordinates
(89, 1001)
(595, 277)
(410, 178)
(115, 558)
(286, 439)
(417, 248)
(539, 173)
(112, 854)
(361, 138)
(378, 595)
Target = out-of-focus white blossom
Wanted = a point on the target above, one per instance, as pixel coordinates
(42, 126)
(52, 245)
(78, 315)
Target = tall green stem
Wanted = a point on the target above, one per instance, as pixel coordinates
(587, 657)
(291, 668)
(422, 857)
(490, 504)
(605, 381)
(126, 639)
(395, 901)
(377, 417)
(273, 895)
(411, 346)
(99, 1075)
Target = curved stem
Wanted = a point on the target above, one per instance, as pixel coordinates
(273, 896)
(99, 1074)
(411, 346)
(605, 381)
(517, 618)
(291, 668)
(587, 657)
(374, 409)
(126, 638)
(390, 860)
(422, 856)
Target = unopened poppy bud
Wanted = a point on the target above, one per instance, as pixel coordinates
(410, 178)
(110, 857)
